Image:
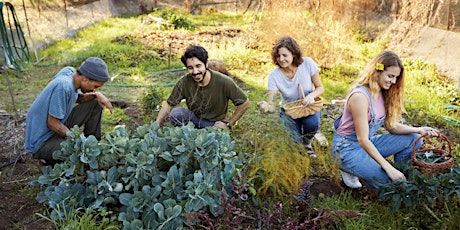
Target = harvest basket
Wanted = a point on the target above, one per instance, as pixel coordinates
(440, 147)
(297, 109)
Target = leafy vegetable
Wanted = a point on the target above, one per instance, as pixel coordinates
(150, 177)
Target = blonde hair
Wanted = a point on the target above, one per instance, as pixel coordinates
(393, 97)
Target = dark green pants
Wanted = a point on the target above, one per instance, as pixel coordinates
(87, 115)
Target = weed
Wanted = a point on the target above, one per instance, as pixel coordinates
(118, 117)
(151, 102)
(175, 19)
(81, 219)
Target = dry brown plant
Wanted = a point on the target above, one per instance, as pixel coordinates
(314, 26)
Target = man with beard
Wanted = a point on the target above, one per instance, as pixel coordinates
(206, 93)
(53, 112)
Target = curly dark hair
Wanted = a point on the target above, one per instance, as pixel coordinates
(195, 51)
(290, 44)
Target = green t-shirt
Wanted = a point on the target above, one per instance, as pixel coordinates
(211, 101)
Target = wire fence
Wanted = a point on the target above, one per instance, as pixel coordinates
(45, 22)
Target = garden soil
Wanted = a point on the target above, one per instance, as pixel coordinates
(433, 45)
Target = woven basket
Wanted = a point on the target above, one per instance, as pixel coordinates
(439, 145)
(296, 109)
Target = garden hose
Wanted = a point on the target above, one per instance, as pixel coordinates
(449, 119)
(14, 44)
(148, 85)
(137, 85)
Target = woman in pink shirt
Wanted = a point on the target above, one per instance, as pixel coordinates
(376, 100)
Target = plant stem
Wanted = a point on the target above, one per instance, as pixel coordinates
(432, 213)
(447, 209)
(10, 89)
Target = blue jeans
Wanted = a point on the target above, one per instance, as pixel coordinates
(301, 129)
(355, 160)
(182, 116)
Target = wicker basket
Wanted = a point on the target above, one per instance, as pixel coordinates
(297, 109)
(439, 145)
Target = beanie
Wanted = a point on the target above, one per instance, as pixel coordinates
(95, 69)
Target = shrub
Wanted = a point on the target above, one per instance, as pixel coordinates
(151, 101)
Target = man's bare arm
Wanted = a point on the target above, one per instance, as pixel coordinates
(163, 113)
(101, 99)
(238, 113)
(56, 126)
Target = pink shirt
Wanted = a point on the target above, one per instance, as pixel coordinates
(347, 125)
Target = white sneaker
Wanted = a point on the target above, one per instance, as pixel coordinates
(321, 139)
(350, 180)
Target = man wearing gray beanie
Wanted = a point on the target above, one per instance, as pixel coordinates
(53, 112)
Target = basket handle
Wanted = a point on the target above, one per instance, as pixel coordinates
(300, 91)
(449, 144)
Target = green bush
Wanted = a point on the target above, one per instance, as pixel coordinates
(177, 20)
(151, 101)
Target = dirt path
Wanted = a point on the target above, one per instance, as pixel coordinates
(439, 47)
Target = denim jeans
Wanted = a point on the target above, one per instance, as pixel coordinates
(301, 129)
(355, 160)
(182, 116)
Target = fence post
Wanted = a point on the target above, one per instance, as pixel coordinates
(169, 55)
(66, 19)
(448, 15)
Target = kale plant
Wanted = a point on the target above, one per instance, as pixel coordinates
(152, 178)
(423, 190)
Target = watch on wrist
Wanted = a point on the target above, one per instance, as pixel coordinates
(228, 124)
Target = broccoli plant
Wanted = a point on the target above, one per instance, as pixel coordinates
(152, 177)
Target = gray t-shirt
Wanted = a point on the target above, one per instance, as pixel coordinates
(57, 99)
(289, 87)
